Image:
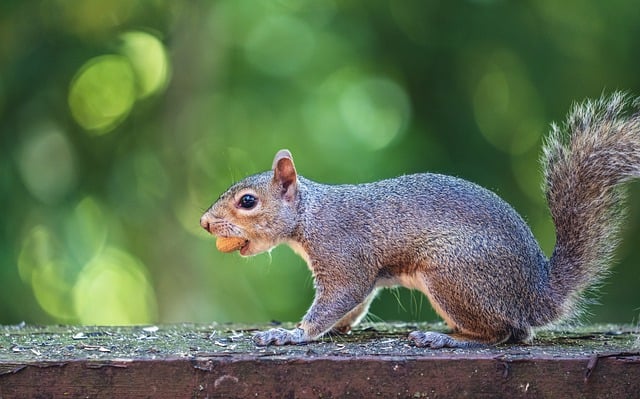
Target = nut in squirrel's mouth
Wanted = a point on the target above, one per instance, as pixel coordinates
(230, 244)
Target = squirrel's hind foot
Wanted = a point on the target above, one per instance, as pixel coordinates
(436, 340)
(280, 336)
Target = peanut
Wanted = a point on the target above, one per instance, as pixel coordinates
(229, 244)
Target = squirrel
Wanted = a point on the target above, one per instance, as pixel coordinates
(464, 247)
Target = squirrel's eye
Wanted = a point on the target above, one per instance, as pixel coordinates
(247, 201)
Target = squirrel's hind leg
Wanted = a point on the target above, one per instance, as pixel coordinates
(344, 325)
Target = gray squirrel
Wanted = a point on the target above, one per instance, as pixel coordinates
(465, 248)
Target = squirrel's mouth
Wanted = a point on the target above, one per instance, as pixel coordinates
(244, 249)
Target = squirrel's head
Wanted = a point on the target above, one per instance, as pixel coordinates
(259, 209)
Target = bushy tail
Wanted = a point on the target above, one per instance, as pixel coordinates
(584, 163)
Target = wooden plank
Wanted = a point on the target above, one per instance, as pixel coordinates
(221, 361)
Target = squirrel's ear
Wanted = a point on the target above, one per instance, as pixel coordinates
(284, 174)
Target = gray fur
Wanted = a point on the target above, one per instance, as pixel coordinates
(463, 246)
(584, 162)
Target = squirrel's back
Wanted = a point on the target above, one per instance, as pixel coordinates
(412, 208)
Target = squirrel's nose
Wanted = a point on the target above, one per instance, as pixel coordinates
(204, 222)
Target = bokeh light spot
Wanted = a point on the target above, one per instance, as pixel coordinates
(280, 45)
(375, 110)
(47, 164)
(52, 289)
(148, 59)
(86, 230)
(102, 93)
(37, 248)
(43, 266)
(114, 289)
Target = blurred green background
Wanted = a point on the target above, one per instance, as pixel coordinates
(121, 121)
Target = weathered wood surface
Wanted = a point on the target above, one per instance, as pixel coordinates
(181, 361)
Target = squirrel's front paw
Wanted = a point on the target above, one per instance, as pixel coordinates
(280, 336)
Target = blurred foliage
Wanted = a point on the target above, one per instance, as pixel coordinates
(123, 120)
